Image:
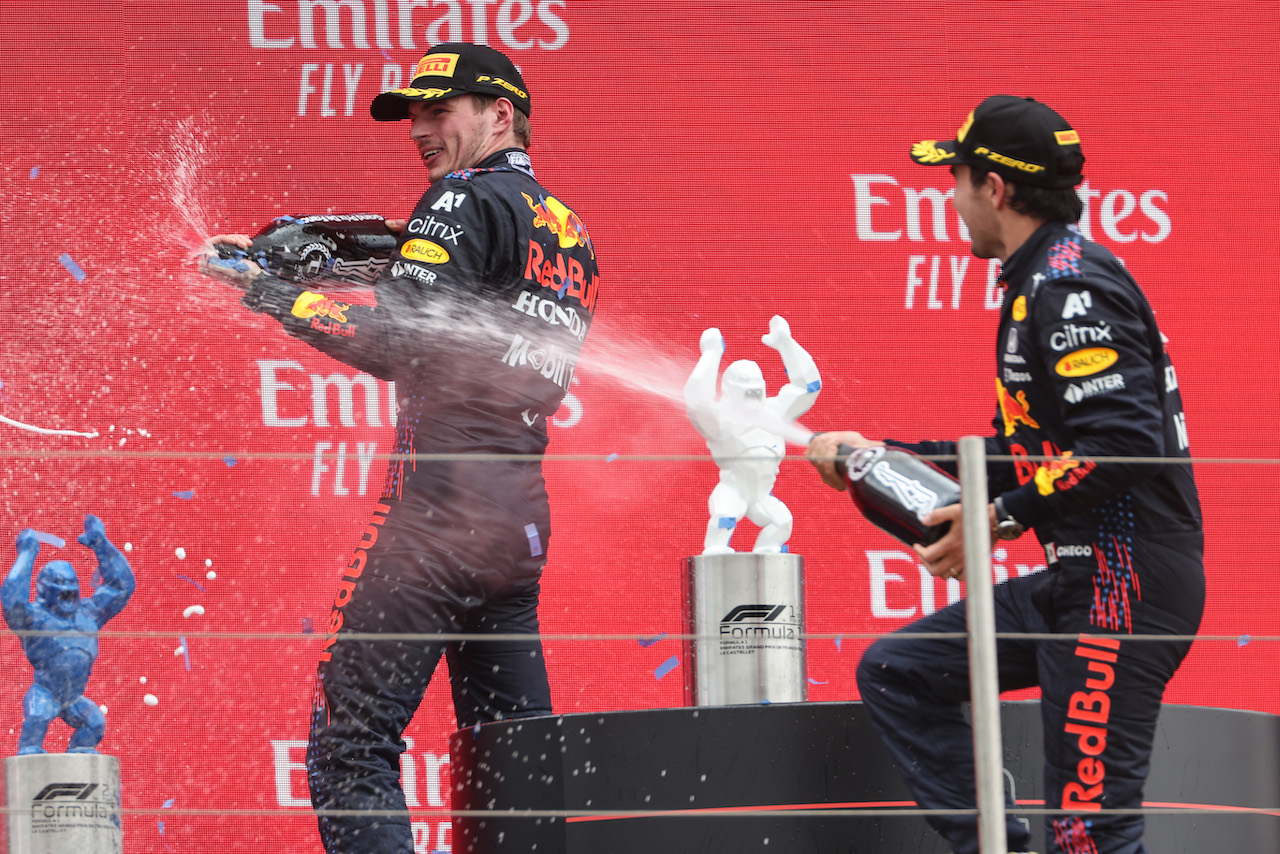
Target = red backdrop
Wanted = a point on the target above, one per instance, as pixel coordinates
(732, 160)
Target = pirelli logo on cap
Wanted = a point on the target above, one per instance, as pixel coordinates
(1066, 137)
(437, 65)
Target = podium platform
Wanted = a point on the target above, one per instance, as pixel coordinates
(812, 777)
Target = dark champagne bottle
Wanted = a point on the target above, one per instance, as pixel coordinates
(895, 489)
(335, 250)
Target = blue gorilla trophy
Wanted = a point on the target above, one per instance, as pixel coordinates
(59, 633)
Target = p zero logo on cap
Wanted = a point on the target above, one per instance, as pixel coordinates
(437, 65)
(425, 251)
(1083, 363)
(498, 81)
(1013, 163)
(1066, 137)
(964, 128)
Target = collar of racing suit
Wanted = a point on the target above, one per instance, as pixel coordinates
(508, 159)
(1027, 258)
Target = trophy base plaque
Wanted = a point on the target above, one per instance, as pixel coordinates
(745, 612)
(64, 803)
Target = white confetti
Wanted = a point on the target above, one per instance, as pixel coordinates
(48, 432)
(128, 547)
(102, 709)
(180, 650)
(151, 700)
(208, 561)
(181, 553)
(211, 575)
(142, 680)
(193, 609)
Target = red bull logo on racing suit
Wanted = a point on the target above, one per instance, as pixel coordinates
(311, 304)
(1088, 716)
(347, 586)
(552, 214)
(1014, 409)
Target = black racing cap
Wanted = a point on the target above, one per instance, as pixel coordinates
(452, 69)
(1020, 138)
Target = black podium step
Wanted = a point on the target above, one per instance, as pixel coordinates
(812, 777)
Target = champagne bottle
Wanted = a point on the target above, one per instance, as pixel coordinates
(895, 489)
(337, 250)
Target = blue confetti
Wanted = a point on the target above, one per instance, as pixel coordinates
(813, 681)
(386, 55)
(839, 640)
(666, 667)
(230, 461)
(475, 730)
(610, 458)
(1243, 641)
(160, 824)
(813, 386)
(786, 549)
(35, 172)
(535, 541)
(185, 495)
(651, 641)
(307, 626)
(729, 522)
(186, 656)
(72, 267)
(50, 540)
(167, 804)
(193, 582)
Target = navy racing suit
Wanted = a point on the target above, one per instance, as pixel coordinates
(480, 317)
(1082, 375)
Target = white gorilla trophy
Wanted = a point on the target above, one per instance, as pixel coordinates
(745, 430)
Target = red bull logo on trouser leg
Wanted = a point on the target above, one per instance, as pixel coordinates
(1088, 714)
(347, 586)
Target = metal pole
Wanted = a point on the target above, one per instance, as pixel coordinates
(984, 691)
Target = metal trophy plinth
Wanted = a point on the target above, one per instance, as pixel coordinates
(745, 613)
(64, 803)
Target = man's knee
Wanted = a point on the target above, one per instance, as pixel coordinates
(873, 670)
